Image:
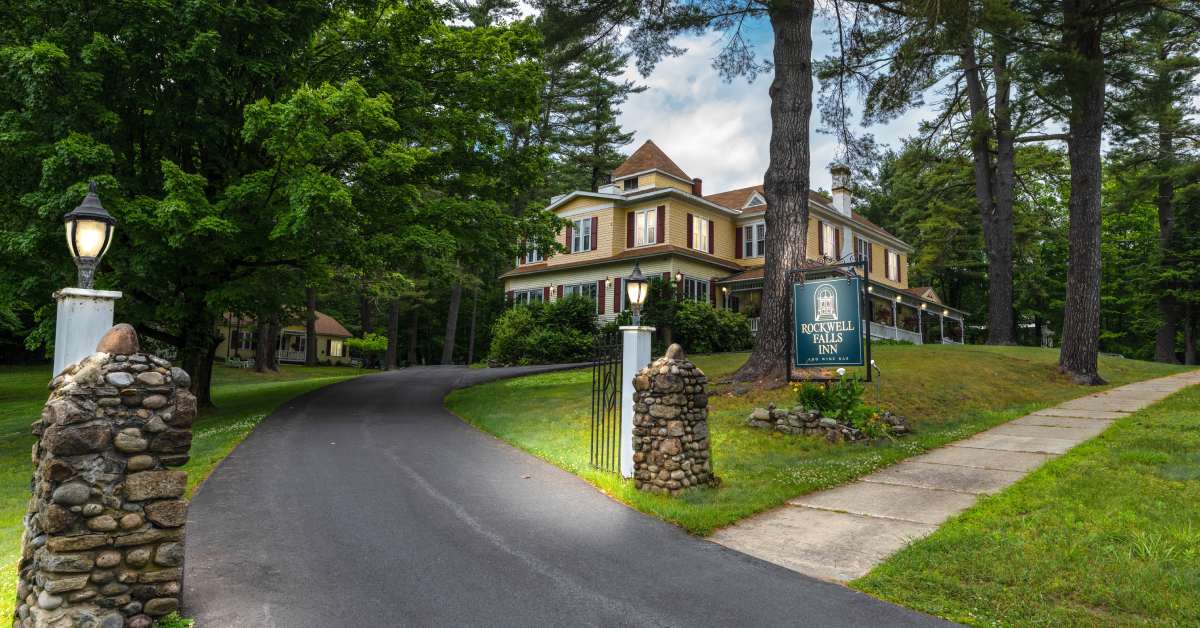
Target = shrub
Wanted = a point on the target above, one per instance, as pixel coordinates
(372, 347)
(702, 329)
(540, 333)
(842, 402)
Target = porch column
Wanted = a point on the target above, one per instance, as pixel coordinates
(635, 341)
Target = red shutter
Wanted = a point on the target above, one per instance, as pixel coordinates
(569, 234)
(712, 288)
(820, 237)
(712, 238)
(666, 277)
(837, 242)
(870, 254)
(522, 257)
(508, 297)
(661, 230)
(546, 293)
(595, 231)
(899, 268)
(616, 295)
(600, 296)
(629, 228)
(737, 242)
(560, 291)
(689, 230)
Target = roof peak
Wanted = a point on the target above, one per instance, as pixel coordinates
(649, 156)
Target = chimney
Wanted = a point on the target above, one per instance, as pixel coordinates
(841, 188)
(697, 186)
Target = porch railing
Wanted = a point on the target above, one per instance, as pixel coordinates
(753, 325)
(289, 356)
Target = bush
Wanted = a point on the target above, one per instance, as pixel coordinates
(700, 328)
(842, 402)
(545, 333)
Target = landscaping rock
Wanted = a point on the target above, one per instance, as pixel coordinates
(122, 340)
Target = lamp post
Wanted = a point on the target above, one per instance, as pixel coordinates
(84, 314)
(636, 288)
(635, 355)
(89, 233)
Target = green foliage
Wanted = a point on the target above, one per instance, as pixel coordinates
(174, 620)
(842, 401)
(543, 333)
(700, 328)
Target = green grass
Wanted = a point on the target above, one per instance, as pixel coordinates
(948, 392)
(1108, 534)
(242, 398)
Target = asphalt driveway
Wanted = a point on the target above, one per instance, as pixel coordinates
(366, 503)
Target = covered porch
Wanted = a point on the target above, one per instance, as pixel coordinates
(913, 315)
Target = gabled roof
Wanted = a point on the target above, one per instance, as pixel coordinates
(649, 157)
(735, 199)
(326, 324)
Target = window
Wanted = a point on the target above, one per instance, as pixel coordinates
(247, 340)
(700, 233)
(631, 184)
(828, 237)
(533, 295)
(695, 289)
(583, 289)
(334, 348)
(533, 255)
(863, 248)
(754, 240)
(892, 270)
(581, 235)
(645, 226)
(755, 201)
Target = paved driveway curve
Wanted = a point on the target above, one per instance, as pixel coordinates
(367, 504)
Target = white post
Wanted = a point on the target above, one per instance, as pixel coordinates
(635, 341)
(83, 318)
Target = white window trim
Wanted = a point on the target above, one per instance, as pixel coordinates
(526, 295)
(533, 255)
(700, 233)
(702, 283)
(581, 234)
(748, 239)
(641, 236)
(578, 288)
(829, 246)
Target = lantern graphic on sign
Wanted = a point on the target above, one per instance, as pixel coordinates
(825, 303)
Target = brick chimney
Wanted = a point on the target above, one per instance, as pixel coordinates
(697, 187)
(841, 188)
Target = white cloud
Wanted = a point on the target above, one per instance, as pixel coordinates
(721, 131)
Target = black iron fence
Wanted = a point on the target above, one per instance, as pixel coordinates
(606, 402)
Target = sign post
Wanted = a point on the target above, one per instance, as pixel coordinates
(829, 328)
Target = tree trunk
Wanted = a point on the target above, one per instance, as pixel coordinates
(196, 353)
(412, 337)
(273, 344)
(1168, 309)
(393, 335)
(451, 325)
(474, 318)
(786, 185)
(263, 348)
(993, 191)
(310, 327)
(1084, 74)
(1189, 335)
(364, 312)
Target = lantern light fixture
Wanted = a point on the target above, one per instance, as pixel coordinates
(636, 288)
(945, 312)
(89, 233)
(898, 299)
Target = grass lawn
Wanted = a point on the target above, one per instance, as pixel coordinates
(1108, 534)
(948, 392)
(242, 398)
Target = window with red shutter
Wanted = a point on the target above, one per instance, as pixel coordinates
(711, 238)
(595, 231)
(690, 230)
(617, 295)
(661, 232)
(560, 291)
(546, 293)
(629, 227)
(737, 242)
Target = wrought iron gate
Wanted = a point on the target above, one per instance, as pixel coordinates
(606, 402)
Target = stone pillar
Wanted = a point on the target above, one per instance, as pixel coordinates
(103, 543)
(670, 429)
(635, 355)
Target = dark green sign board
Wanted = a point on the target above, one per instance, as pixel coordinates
(828, 324)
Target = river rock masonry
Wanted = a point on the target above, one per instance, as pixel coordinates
(670, 426)
(103, 544)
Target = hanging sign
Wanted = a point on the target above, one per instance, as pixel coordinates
(828, 324)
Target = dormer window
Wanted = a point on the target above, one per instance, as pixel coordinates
(533, 256)
(631, 184)
(756, 200)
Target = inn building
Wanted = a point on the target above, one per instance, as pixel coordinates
(712, 247)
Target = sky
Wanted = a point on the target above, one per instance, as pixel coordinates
(720, 131)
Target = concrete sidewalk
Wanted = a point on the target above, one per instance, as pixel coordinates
(842, 533)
